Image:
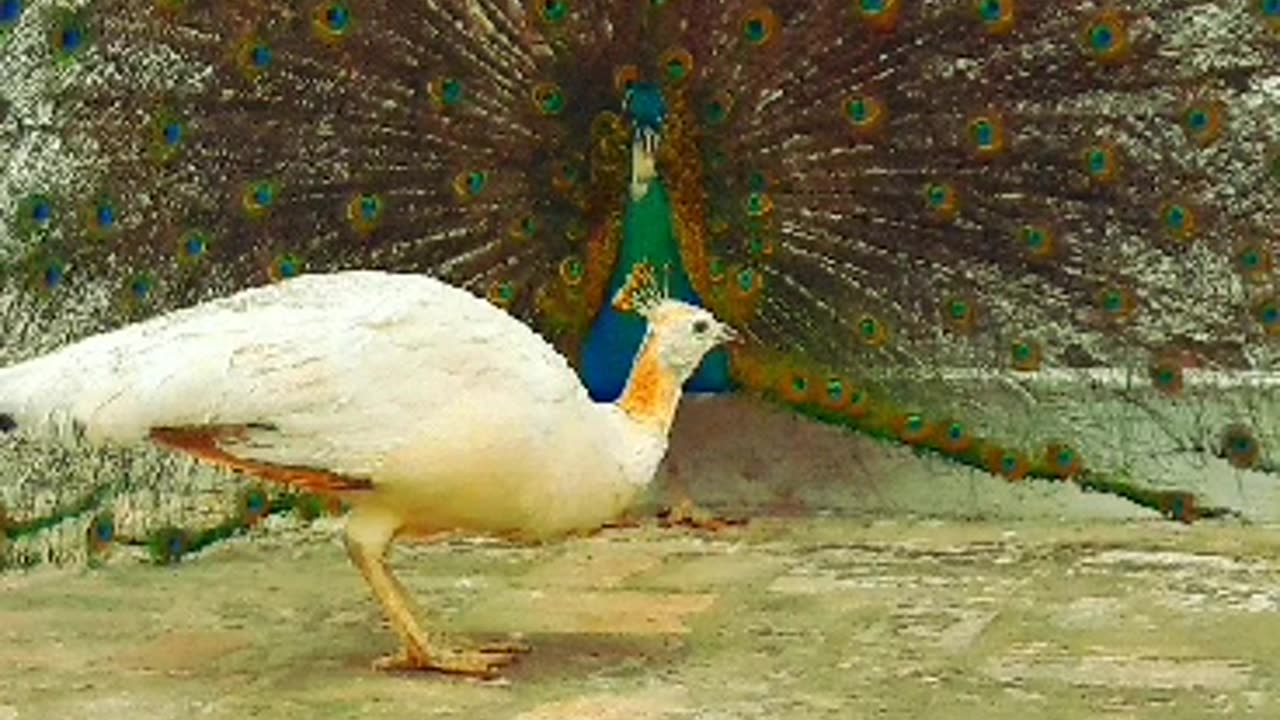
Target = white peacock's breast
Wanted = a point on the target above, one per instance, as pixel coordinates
(525, 470)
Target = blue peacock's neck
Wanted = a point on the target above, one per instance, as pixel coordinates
(648, 235)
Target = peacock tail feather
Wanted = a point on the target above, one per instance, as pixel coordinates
(1034, 238)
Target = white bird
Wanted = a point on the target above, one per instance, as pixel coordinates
(424, 407)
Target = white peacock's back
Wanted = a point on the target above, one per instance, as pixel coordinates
(342, 364)
(459, 415)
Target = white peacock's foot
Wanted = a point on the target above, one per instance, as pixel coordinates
(481, 661)
(688, 514)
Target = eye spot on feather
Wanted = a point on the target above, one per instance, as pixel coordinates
(70, 36)
(331, 21)
(1026, 355)
(1178, 220)
(167, 545)
(52, 274)
(717, 109)
(859, 403)
(364, 212)
(717, 269)
(1239, 446)
(879, 15)
(572, 270)
(524, 229)
(986, 136)
(1267, 314)
(835, 393)
(941, 201)
(469, 184)
(565, 176)
(959, 315)
(872, 332)
(997, 16)
(193, 245)
(1203, 121)
(794, 387)
(35, 213)
(743, 286)
(914, 429)
(758, 204)
(140, 287)
(759, 246)
(749, 281)
(1062, 461)
(254, 57)
(1180, 506)
(548, 99)
(1009, 464)
(1166, 375)
(254, 505)
(1036, 241)
(1101, 163)
(447, 92)
(553, 11)
(1116, 303)
(102, 217)
(676, 65)
(760, 26)
(955, 438)
(1254, 261)
(168, 136)
(502, 293)
(258, 198)
(285, 267)
(1106, 38)
(866, 114)
(100, 534)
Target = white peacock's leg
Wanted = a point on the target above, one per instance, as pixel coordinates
(369, 536)
(370, 531)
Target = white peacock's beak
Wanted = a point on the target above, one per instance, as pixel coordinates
(726, 333)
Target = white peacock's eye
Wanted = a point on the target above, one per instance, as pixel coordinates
(700, 326)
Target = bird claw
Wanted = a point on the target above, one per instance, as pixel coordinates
(513, 647)
(483, 661)
(687, 514)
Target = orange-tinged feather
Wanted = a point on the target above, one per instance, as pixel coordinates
(652, 393)
(202, 443)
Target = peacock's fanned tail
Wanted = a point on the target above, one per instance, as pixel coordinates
(185, 149)
(1031, 237)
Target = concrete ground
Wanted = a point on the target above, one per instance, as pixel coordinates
(868, 584)
(784, 618)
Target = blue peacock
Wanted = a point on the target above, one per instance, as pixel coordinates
(916, 211)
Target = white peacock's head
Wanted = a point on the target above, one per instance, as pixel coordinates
(685, 333)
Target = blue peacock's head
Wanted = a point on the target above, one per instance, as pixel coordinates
(646, 108)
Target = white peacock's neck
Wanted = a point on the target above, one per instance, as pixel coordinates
(653, 391)
(641, 417)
